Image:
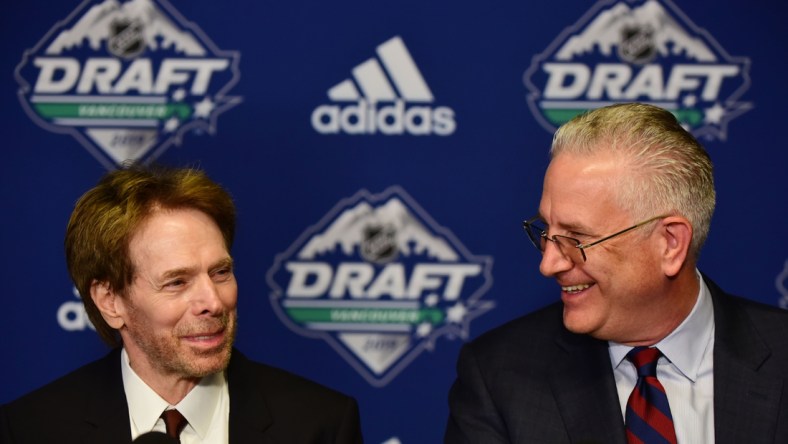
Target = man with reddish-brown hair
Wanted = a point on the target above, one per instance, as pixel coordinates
(149, 251)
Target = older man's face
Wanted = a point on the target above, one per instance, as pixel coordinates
(613, 294)
(180, 311)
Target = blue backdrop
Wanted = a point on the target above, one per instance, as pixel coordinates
(382, 156)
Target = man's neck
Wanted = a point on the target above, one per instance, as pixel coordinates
(170, 386)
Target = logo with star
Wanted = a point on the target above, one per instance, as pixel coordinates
(639, 51)
(379, 281)
(126, 79)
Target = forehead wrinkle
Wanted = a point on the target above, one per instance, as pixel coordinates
(577, 187)
(564, 225)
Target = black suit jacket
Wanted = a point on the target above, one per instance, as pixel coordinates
(533, 381)
(267, 405)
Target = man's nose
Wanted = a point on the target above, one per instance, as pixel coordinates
(206, 299)
(554, 261)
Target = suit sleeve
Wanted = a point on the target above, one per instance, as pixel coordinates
(473, 416)
(5, 429)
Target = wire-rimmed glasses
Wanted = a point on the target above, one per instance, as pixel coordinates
(570, 247)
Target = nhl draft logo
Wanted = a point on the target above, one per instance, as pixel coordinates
(638, 51)
(379, 281)
(781, 283)
(126, 79)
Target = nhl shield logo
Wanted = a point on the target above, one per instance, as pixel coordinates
(638, 51)
(637, 45)
(380, 282)
(127, 79)
(125, 37)
(379, 244)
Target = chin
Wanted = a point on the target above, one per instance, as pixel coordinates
(205, 367)
(577, 329)
(578, 324)
(209, 363)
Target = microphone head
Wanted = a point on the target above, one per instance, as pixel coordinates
(155, 438)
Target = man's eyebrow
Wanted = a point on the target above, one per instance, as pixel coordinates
(566, 226)
(222, 263)
(185, 271)
(572, 226)
(177, 272)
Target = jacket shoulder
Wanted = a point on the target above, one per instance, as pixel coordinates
(276, 382)
(533, 330)
(289, 407)
(69, 403)
(743, 324)
(71, 389)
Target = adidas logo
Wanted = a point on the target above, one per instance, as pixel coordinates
(377, 95)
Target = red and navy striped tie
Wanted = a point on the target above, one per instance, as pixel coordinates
(648, 418)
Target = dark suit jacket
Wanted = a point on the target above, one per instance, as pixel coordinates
(532, 381)
(267, 405)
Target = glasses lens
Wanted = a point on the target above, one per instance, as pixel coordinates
(535, 230)
(568, 247)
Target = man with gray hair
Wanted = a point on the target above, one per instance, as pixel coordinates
(642, 347)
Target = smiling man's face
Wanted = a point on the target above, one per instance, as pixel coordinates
(179, 312)
(611, 295)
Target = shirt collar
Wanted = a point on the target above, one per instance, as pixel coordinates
(199, 405)
(146, 406)
(685, 346)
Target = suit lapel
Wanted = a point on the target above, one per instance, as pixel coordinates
(746, 402)
(107, 413)
(585, 391)
(250, 415)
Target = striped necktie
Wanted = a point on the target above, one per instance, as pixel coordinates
(648, 418)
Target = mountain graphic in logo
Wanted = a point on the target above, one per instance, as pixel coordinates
(347, 232)
(97, 24)
(605, 32)
(379, 281)
(126, 79)
(638, 51)
(380, 98)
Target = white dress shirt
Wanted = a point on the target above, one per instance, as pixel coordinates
(685, 370)
(206, 407)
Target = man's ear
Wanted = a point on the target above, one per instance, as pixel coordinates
(109, 304)
(677, 234)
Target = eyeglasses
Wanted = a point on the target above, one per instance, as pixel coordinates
(569, 246)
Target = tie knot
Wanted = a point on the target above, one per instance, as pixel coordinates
(645, 360)
(174, 422)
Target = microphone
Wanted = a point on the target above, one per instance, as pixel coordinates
(155, 438)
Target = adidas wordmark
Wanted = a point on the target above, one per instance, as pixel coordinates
(391, 99)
